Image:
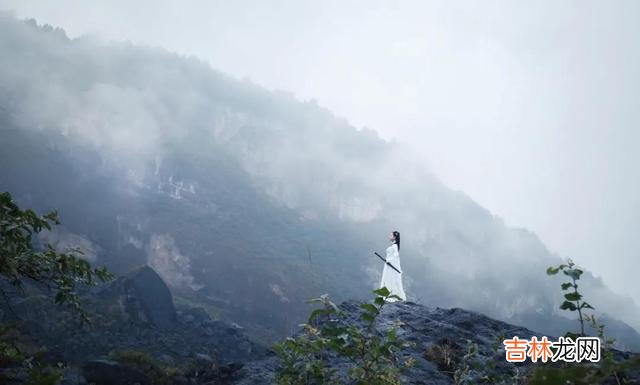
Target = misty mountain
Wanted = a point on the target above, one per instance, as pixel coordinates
(249, 201)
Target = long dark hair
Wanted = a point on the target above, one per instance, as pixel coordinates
(396, 236)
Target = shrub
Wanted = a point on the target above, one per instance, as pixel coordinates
(145, 363)
(445, 354)
(20, 260)
(373, 358)
(572, 299)
(608, 370)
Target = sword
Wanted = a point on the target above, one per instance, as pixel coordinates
(385, 261)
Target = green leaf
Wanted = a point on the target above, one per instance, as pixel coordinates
(566, 305)
(367, 317)
(369, 308)
(393, 296)
(573, 296)
(383, 292)
(552, 270)
(574, 273)
(567, 285)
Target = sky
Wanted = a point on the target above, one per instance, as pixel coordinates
(532, 109)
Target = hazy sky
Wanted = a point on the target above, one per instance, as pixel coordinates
(531, 109)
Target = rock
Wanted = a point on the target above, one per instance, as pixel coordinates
(134, 313)
(105, 372)
(425, 328)
(166, 359)
(145, 298)
(197, 315)
(73, 376)
(204, 361)
(226, 374)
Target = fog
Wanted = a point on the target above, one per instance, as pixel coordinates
(156, 158)
(531, 109)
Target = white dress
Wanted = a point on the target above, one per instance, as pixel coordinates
(391, 279)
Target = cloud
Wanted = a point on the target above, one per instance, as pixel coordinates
(174, 267)
(137, 107)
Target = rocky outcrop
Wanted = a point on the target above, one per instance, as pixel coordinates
(137, 332)
(430, 331)
(132, 313)
(144, 298)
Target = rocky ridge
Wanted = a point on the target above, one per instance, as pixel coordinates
(139, 336)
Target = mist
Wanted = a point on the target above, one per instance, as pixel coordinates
(157, 129)
(530, 109)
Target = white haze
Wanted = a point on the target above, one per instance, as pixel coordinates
(532, 109)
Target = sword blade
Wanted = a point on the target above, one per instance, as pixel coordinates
(385, 261)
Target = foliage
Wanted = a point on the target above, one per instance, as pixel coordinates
(608, 370)
(373, 358)
(471, 368)
(445, 354)
(15, 358)
(19, 258)
(145, 363)
(62, 272)
(469, 361)
(573, 299)
(45, 375)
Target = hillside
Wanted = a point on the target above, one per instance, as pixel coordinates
(248, 202)
(139, 335)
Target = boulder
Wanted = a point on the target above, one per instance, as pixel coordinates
(145, 298)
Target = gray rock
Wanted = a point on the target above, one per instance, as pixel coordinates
(204, 361)
(145, 298)
(105, 372)
(73, 376)
(423, 327)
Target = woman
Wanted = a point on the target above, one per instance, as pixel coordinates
(391, 279)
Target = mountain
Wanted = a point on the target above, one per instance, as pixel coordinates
(441, 342)
(139, 335)
(245, 201)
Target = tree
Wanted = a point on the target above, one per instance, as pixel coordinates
(20, 259)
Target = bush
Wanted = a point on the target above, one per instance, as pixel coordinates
(373, 358)
(63, 272)
(445, 354)
(608, 370)
(145, 363)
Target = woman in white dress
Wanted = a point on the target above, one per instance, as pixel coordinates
(391, 279)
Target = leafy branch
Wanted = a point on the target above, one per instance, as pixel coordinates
(573, 299)
(374, 357)
(20, 260)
